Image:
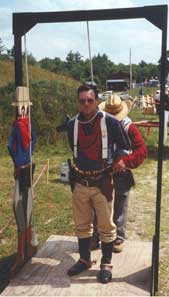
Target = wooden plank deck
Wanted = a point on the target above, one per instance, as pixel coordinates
(45, 274)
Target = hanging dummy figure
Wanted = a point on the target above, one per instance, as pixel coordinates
(20, 146)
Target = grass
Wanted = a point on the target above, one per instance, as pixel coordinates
(51, 201)
(35, 73)
(52, 213)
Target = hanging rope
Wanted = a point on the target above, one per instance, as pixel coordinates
(3, 229)
(30, 129)
(26, 63)
(90, 57)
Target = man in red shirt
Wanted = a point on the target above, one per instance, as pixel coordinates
(123, 179)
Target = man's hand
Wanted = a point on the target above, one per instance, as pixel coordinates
(118, 165)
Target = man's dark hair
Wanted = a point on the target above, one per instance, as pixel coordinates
(86, 88)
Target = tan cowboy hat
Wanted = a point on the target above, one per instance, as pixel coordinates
(21, 97)
(114, 105)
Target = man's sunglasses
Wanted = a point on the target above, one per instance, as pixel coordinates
(83, 101)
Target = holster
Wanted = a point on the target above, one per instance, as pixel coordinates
(107, 187)
(123, 180)
(71, 175)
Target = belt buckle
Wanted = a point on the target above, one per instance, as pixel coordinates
(86, 182)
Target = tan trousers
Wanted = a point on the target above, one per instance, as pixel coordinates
(84, 200)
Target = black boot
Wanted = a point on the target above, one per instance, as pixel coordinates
(105, 275)
(84, 262)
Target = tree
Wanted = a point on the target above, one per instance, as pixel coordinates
(2, 47)
(142, 64)
(102, 67)
(11, 52)
(167, 64)
(75, 65)
(72, 59)
(142, 75)
(47, 63)
(31, 59)
(59, 65)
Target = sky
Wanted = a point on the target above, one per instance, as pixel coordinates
(114, 38)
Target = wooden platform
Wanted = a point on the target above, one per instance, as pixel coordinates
(45, 274)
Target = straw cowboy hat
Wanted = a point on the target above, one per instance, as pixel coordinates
(21, 97)
(114, 105)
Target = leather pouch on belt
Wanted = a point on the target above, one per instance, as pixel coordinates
(124, 180)
(107, 188)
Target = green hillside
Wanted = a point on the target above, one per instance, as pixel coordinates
(35, 73)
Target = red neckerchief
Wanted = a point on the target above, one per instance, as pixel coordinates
(23, 125)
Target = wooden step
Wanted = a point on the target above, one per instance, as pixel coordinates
(46, 273)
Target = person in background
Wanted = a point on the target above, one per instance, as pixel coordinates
(123, 180)
(93, 137)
